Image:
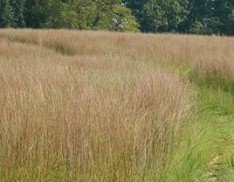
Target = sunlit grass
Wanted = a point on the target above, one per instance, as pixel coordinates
(101, 106)
(89, 118)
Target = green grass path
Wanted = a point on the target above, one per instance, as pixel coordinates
(206, 152)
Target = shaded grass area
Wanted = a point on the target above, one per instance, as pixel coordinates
(55, 46)
(216, 81)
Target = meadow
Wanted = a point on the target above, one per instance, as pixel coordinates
(102, 106)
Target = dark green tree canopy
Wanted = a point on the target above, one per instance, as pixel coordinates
(182, 16)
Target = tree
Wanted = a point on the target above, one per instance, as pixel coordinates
(137, 8)
(230, 23)
(18, 13)
(1, 13)
(186, 16)
(60, 15)
(159, 15)
(123, 20)
(7, 14)
(104, 15)
(211, 15)
(36, 13)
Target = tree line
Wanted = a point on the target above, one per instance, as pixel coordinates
(182, 16)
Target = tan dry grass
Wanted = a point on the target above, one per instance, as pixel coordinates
(206, 55)
(98, 115)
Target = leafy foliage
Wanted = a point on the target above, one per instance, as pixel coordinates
(186, 16)
(183, 16)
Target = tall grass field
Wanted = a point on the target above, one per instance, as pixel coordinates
(126, 107)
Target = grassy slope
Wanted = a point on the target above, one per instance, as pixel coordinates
(206, 150)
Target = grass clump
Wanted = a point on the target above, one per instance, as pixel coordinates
(88, 122)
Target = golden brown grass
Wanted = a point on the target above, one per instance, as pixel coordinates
(96, 116)
(207, 55)
(87, 106)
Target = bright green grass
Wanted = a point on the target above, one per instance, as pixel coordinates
(209, 134)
